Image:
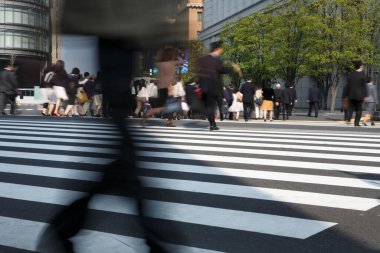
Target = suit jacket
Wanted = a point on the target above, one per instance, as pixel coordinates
(143, 23)
(356, 86)
(313, 95)
(248, 90)
(210, 69)
(8, 82)
(287, 96)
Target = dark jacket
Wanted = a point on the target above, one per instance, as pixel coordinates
(60, 78)
(248, 90)
(144, 23)
(356, 86)
(210, 69)
(89, 88)
(189, 90)
(8, 82)
(314, 94)
(268, 94)
(228, 95)
(287, 96)
(277, 96)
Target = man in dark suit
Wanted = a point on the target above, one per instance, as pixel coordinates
(294, 98)
(356, 92)
(210, 70)
(248, 90)
(313, 97)
(287, 100)
(8, 88)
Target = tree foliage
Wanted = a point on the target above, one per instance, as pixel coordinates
(316, 38)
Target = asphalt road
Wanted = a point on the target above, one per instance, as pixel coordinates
(297, 186)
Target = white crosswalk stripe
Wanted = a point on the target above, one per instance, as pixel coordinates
(276, 168)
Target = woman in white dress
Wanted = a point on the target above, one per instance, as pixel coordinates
(236, 106)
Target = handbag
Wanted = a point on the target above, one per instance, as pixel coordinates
(259, 101)
(82, 97)
(185, 107)
(172, 105)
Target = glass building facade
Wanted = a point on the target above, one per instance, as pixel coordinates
(25, 33)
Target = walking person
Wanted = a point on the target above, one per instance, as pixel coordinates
(258, 102)
(210, 69)
(59, 81)
(313, 99)
(356, 92)
(268, 97)
(167, 78)
(141, 98)
(46, 88)
(293, 91)
(236, 106)
(287, 100)
(98, 97)
(277, 101)
(8, 88)
(89, 89)
(122, 31)
(71, 108)
(248, 91)
(370, 102)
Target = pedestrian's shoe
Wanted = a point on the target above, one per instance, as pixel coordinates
(357, 125)
(214, 128)
(4, 114)
(169, 123)
(373, 124)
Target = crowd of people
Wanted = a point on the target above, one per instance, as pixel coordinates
(167, 97)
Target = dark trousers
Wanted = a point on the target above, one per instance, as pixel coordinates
(286, 111)
(220, 104)
(277, 111)
(248, 108)
(120, 176)
(357, 107)
(211, 102)
(313, 105)
(4, 100)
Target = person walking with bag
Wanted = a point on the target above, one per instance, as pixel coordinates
(59, 81)
(8, 89)
(313, 99)
(277, 101)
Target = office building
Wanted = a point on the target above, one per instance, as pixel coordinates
(25, 37)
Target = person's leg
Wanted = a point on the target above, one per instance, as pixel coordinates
(68, 109)
(265, 115)
(359, 112)
(271, 115)
(3, 99)
(351, 108)
(210, 107)
(316, 109)
(310, 109)
(245, 111)
(12, 101)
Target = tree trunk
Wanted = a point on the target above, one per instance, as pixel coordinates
(333, 93)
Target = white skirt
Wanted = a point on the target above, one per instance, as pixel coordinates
(60, 92)
(46, 94)
(236, 107)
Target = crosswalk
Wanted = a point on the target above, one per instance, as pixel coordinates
(229, 191)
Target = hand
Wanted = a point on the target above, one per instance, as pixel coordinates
(237, 69)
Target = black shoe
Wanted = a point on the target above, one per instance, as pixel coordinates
(309, 115)
(373, 124)
(3, 113)
(214, 128)
(357, 125)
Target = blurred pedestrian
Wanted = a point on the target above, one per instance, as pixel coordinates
(248, 90)
(237, 105)
(123, 29)
(356, 92)
(89, 89)
(277, 101)
(313, 99)
(59, 81)
(294, 98)
(46, 88)
(267, 106)
(258, 102)
(210, 69)
(287, 100)
(370, 102)
(8, 88)
(98, 97)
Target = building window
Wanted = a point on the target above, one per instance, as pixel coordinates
(200, 16)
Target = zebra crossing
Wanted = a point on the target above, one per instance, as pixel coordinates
(248, 190)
